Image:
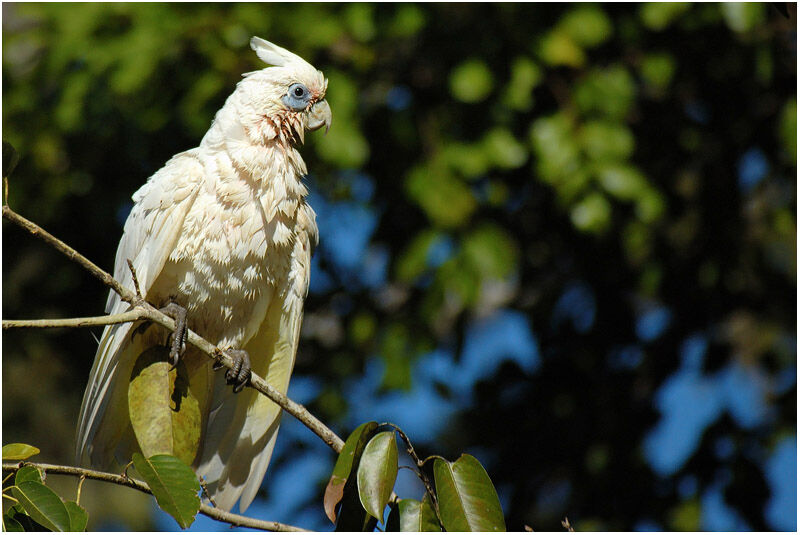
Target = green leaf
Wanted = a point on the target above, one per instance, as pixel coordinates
(558, 48)
(353, 447)
(525, 76)
(605, 141)
(587, 25)
(417, 516)
(592, 213)
(742, 16)
(377, 472)
(164, 412)
(471, 81)
(18, 452)
(174, 485)
(11, 524)
(446, 199)
(78, 517)
(658, 15)
(15, 519)
(491, 251)
(28, 473)
(42, 505)
(467, 498)
(610, 91)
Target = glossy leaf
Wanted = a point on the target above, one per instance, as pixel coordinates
(42, 505)
(377, 472)
(78, 517)
(467, 498)
(15, 519)
(18, 452)
(28, 473)
(164, 413)
(353, 447)
(417, 516)
(12, 523)
(173, 484)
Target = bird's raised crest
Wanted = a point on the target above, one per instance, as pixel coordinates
(272, 54)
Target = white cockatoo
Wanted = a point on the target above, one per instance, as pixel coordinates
(221, 236)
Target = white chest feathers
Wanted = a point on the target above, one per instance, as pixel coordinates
(245, 241)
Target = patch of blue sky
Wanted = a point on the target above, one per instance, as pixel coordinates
(716, 515)
(785, 379)
(652, 323)
(781, 473)
(688, 404)
(576, 304)
(375, 266)
(320, 280)
(689, 401)
(504, 335)
(745, 389)
(422, 411)
(752, 168)
(440, 250)
(346, 228)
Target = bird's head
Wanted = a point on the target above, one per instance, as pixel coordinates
(284, 100)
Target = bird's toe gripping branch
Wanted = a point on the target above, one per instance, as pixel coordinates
(176, 340)
(239, 375)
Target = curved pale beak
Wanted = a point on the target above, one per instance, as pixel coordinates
(319, 115)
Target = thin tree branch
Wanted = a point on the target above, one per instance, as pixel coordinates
(150, 313)
(211, 512)
(112, 319)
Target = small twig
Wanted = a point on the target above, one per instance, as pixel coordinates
(211, 512)
(567, 525)
(420, 464)
(80, 486)
(205, 490)
(131, 315)
(135, 279)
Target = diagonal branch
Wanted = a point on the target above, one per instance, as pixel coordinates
(212, 512)
(147, 311)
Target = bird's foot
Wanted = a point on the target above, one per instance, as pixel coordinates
(177, 339)
(239, 375)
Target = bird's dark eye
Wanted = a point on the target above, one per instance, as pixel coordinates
(297, 97)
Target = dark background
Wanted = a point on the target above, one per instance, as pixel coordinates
(559, 237)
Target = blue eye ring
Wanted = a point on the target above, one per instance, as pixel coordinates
(297, 97)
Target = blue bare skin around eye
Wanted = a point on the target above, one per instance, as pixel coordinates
(293, 102)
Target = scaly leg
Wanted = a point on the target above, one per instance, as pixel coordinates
(176, 340)
(239, 375)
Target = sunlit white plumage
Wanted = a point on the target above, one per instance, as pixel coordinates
(223, 230)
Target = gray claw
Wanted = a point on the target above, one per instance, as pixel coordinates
(176, 340)
(239, 375)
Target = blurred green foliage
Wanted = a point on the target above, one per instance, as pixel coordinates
(544, 143)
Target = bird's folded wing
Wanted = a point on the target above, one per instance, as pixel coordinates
(150, 234)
